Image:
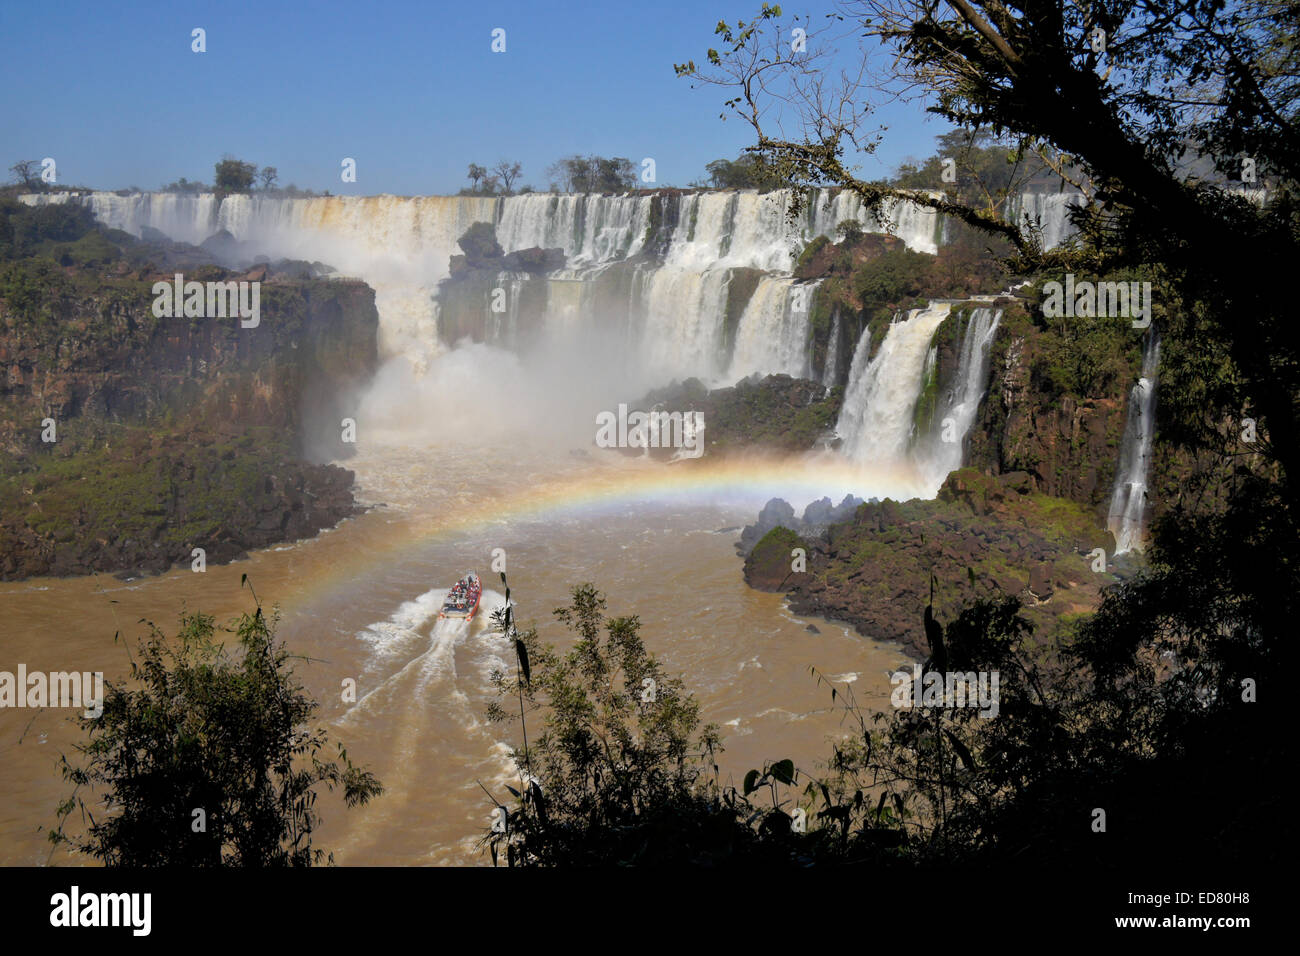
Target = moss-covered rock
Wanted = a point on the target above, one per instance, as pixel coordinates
(771, 565)
(777, 413)
(982, 534)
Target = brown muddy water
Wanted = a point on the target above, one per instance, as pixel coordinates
(361, 601)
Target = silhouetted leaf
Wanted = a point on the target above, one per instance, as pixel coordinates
(962, 750)
(783, 771)
(751, 782)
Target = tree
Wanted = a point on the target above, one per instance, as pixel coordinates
(1149, 110)
(234, 175)
(28, 173)
(619, 769)
(268, 176)
(183, 185)
(476, 173)
(209, 761)
(507, 172)
(593, 174)
(1117, 114)
(747, 172)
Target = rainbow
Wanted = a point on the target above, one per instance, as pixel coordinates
(619, 483)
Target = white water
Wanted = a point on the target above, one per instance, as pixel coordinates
(401, 247)
(773, 333)
(832, 369)
(958, 407)
(683, 312)
(669, 322)
(1050, 211)
(876, 421)
(1128, 503)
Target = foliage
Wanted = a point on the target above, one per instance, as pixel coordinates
(593, 174)
(234, 175)
(27, 174)
(185, 186)
(617, 773)
(27, 231)
(745, 172)
(1148, 111)
(205, 730)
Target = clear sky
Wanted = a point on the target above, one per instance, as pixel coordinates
(411, 90)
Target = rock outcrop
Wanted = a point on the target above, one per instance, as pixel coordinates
(982, 535)
(130, 439)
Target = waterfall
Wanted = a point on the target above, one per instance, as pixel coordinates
(589, 228)
(682, 327)
(1052, 208)
(831, 372)
(670, 311)
(958, 407)
(876, 420)
(1128, 503)
(772, 335)
(654, 277)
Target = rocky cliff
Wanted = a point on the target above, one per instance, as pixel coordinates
(131, 439)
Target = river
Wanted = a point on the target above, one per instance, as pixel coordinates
(361, 601)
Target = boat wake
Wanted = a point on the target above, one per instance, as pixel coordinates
(422, 695)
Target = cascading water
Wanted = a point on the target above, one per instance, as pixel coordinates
(942, 449)
(772, 335)
(675, 303)
(1128, 503)
(1050, 210)
(402, 246)
(832, 370)
(655, 276)
(682, 325)
(876, 420)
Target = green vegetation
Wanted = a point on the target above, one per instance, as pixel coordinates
(621, 771)
(745, 172)
(145, 466)
(210, 760)
(772, 559)
(29, 231)
(497, 181)
(1133, 709)
(592, 174)
(234, 175)
(777, 413)
(128, 489)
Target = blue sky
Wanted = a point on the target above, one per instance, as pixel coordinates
(411, 90)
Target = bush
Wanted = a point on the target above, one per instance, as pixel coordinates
(205, 732)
